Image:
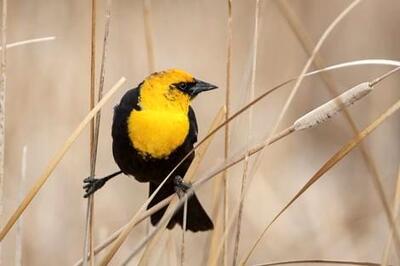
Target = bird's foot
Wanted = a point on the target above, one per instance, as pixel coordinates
(181, 187)
(92, 184)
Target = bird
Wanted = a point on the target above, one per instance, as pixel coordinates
(154, 127)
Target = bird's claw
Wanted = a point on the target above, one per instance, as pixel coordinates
(181, 187)
(91, 185)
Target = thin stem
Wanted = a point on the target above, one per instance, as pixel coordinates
(226, 132)
(183, 233)
(249, 129)
(88, 237)
(148, 36)
(316, 261)
(19, 235)
(30, 41)
(3, 82)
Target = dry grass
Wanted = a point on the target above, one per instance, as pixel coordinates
(326, 167)
(3, 82)
(346, 218)
(56, 160)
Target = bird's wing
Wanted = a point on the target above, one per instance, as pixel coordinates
(193, 131)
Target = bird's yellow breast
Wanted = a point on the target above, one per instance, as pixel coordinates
(157, 133)
(162, 124)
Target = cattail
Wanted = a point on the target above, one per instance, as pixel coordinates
(331, 108)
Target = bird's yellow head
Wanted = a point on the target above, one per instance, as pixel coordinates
(171, 90)
(162, 124)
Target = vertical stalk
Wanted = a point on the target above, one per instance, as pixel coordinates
(19, 233)
(183, 233)
(148, 36)
(88, 242)
(249, 127)
(226, 129)
(2, 102)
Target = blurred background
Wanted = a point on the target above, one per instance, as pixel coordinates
(340, 217)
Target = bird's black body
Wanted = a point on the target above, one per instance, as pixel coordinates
(152, 170)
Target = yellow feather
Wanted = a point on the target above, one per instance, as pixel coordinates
(162, 124)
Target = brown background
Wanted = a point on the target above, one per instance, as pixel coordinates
(340, 217)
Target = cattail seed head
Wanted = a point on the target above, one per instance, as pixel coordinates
(334, 106)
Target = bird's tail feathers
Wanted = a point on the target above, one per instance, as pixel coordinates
(197, 217)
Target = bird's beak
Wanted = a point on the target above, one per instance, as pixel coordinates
(200, 87)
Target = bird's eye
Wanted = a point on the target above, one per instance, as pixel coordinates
(182, 85)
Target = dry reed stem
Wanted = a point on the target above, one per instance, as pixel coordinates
(148, 29)
(183, 233)
(349, 146)
(188, 177)
(383, 77)
(41, 180)
(396, 208)
(30, 41)
(101, 85)
(3, 82)
(226, 133)
(341, 262)
(19, 233)
(148, 35)
(88, 236)
(249, 127)
(94, 132)
(141, 218)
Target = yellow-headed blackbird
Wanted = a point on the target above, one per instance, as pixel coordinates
(154, 127)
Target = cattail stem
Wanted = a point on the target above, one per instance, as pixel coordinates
(88, 236)
(18, 238)
(183, 232)
(3, 82)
